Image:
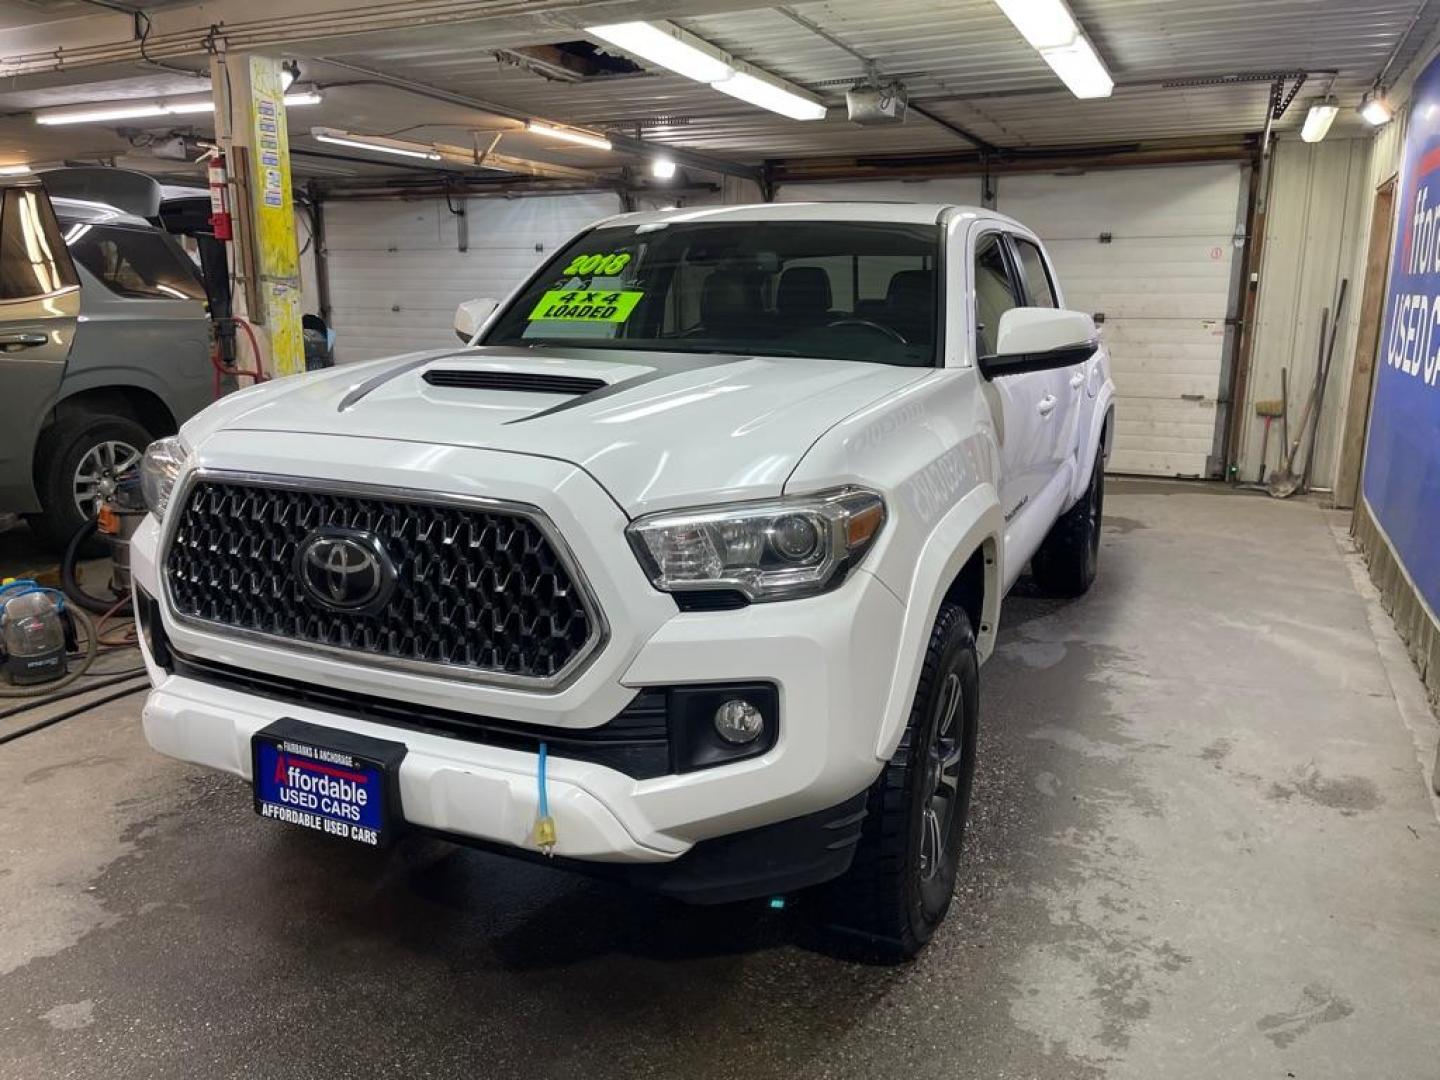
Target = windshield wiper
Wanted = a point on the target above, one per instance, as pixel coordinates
(646, 346)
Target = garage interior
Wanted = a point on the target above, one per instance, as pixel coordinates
(1205, 829)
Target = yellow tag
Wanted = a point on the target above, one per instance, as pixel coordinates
(586, 305)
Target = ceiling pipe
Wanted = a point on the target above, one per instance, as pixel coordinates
(281, 30)
(626, 144)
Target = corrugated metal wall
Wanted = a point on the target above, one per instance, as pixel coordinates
(1321, 197)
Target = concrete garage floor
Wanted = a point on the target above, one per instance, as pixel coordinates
(1202, 847)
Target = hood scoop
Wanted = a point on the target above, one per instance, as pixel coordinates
(527, 382)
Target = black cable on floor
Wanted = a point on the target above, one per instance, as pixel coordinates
(139, 669)
(109, 678)
(39, 724)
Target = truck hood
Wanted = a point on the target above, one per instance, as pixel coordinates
(656, 429)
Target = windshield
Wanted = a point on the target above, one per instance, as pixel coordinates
(838, 290)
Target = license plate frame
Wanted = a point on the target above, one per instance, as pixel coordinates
(327, 780)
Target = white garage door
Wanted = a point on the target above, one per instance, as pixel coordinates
(397, 274)
(1163, 281)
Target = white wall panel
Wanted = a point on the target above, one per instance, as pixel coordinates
(397, 274)
(1163, 280)
(1321, 198)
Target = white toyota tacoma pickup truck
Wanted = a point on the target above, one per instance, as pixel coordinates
(680, 570)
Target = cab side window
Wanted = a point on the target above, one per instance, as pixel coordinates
(1037, 275)
(995, 291)
(33, 259)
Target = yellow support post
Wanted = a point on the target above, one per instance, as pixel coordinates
(250, 119)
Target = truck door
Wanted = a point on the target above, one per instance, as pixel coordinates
(39, 303)
(1026, 413)
(1066, 385)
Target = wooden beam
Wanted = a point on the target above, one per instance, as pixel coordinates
(809, 170)
(1367, 344)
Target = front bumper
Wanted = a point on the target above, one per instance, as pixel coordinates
(830, 658)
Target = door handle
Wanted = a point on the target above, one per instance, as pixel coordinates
(1077, 380)
(1047, 405)
(23, 340)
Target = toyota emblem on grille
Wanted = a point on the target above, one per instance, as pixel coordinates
(345, 569)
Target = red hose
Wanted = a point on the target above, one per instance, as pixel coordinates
(221, 369)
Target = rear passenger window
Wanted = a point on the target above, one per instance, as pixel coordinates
(33, 260)
(995, 291)
(137, 263)
(1037, 275)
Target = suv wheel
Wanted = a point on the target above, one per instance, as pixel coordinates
(1066, 563)
(79, 461)
(899, 887)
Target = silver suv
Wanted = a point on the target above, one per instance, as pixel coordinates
(104, 345)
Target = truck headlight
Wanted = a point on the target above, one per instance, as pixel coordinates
(776, 550)
(159, 469)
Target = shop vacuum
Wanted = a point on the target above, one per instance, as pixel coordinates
(37, 633)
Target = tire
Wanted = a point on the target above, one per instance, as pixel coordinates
(71, 440)
(896, 892)
(1068, 559)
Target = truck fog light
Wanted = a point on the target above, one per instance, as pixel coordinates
(739, 722)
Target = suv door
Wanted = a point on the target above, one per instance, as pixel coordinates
(39, 303)
(1066, 385)
(1027, 440)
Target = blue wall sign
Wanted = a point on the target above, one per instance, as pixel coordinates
(1402, 459)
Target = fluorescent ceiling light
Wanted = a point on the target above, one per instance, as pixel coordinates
(668, 46)
(186, 108)
(770, 93)
(1052, 31)
(573, 135)
(101, 112)
(662, 168)
(1376, 110)
(1045, 24)
(94, 113)
(14, 170)
(377, 143)
(1080, 69)
(1318, 121)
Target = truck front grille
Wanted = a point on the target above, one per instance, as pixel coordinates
(481, 590)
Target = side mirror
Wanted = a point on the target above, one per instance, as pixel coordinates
(470, 317)
(1039, 339)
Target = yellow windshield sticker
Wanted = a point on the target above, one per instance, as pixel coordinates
(586, 305)
(607, 264)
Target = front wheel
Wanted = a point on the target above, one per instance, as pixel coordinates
(80, 460)
(1069, 558)
(899, 887)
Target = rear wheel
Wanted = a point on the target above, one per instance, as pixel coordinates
(80, 459)
(1066, 563)
(899, 887)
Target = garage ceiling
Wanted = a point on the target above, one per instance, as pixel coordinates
(963, 62)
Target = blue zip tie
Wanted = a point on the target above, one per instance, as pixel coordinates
(544, 798)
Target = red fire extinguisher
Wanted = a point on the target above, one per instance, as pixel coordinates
(219, 198)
